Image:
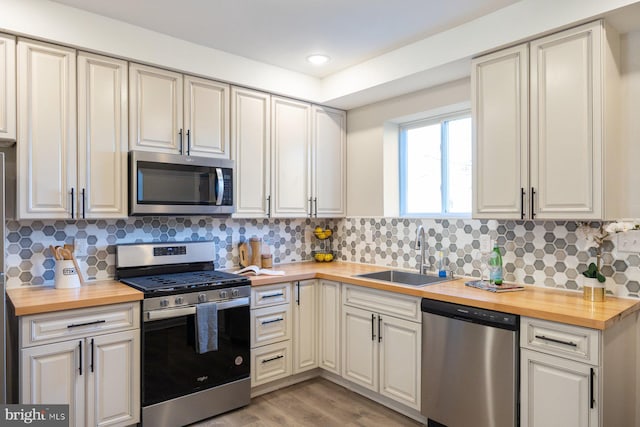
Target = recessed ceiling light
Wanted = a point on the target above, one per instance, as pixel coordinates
(317, 59)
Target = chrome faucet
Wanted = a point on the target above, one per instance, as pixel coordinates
(421, 242)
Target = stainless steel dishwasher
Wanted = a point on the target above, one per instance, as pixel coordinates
(470, 366)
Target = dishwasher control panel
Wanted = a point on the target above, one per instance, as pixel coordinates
(471, 314)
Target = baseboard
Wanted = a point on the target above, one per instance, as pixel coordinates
(284, 382)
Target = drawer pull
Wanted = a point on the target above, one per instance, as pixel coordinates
(280, 356)
(266, 322)
(569, 343)
(273, 295)
(77, 325)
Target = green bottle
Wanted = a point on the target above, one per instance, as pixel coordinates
(495, 266)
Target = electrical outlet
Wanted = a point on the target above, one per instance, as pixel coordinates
(81, 247)
(629, 242)
(485, 243)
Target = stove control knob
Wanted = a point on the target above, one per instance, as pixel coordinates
(179, 300)
(164, 302)
(235, 293)
(202, 298)
(224, 294)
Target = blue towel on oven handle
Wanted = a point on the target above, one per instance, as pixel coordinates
(206, 327)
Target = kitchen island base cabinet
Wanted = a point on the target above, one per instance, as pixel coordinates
(97, 373)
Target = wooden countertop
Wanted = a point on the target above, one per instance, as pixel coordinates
(42, 299)
(542, 303)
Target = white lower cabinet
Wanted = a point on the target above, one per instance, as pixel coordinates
(271, 327)
(96, 370)
(576, 376)
(381, 352)
(557, 392)
(329, 311)
(305, 326)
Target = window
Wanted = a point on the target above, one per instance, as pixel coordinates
(435, 167)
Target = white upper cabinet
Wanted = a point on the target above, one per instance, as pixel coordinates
(251, 151)
(329, 162)
(500, 87)
(102, 137)
(7, 88)
(290, 148)
(46, 146)
(206, 114)
(158, 99)
(155, 109)
(566, 165)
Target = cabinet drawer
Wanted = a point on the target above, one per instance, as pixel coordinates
(61, 325)
(397, 305)
(267, 296)
(573, 342)
(270, 362)
(270, 325)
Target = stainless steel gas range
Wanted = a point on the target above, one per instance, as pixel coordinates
(195, 331)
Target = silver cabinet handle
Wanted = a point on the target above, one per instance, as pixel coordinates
(181, 147)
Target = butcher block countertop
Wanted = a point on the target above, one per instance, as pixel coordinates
(542, 303)
(42, 299)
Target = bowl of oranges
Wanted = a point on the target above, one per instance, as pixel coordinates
(322, 233)
(320, 256)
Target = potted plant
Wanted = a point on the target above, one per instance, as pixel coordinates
(593, 287)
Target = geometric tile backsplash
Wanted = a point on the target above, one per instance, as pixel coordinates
(544, 253)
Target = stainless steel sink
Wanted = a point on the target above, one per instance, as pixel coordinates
(404, 277)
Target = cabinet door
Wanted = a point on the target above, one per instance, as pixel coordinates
(400, 360)
(360, 347)
(500, 87)
(329, 325)
(113, 385)
(206, 117)
(251, 145)
(7, 88)
(155, 110)
(557, 392)
(103, 141)
(329, 162)
(46, 147)
(305, 327)
(50, 374)
(290, 136)
(566, 124)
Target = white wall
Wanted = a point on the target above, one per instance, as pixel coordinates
(371, 183)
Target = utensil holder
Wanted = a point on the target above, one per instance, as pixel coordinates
(66, 275)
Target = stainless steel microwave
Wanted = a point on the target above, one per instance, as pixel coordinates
(172, 184)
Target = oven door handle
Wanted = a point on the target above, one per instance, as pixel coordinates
(170, 313)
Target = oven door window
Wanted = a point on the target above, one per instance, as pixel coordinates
(170, 184)
(173, 368)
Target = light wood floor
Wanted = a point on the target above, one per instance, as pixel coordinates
(314, 403)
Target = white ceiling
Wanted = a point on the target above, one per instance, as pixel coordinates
(284, 32)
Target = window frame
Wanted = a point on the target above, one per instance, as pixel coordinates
(444, 165)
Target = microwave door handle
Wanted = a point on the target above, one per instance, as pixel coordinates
(219, 186)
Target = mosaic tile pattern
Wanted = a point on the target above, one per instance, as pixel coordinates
(29, 260)
(545, 253)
